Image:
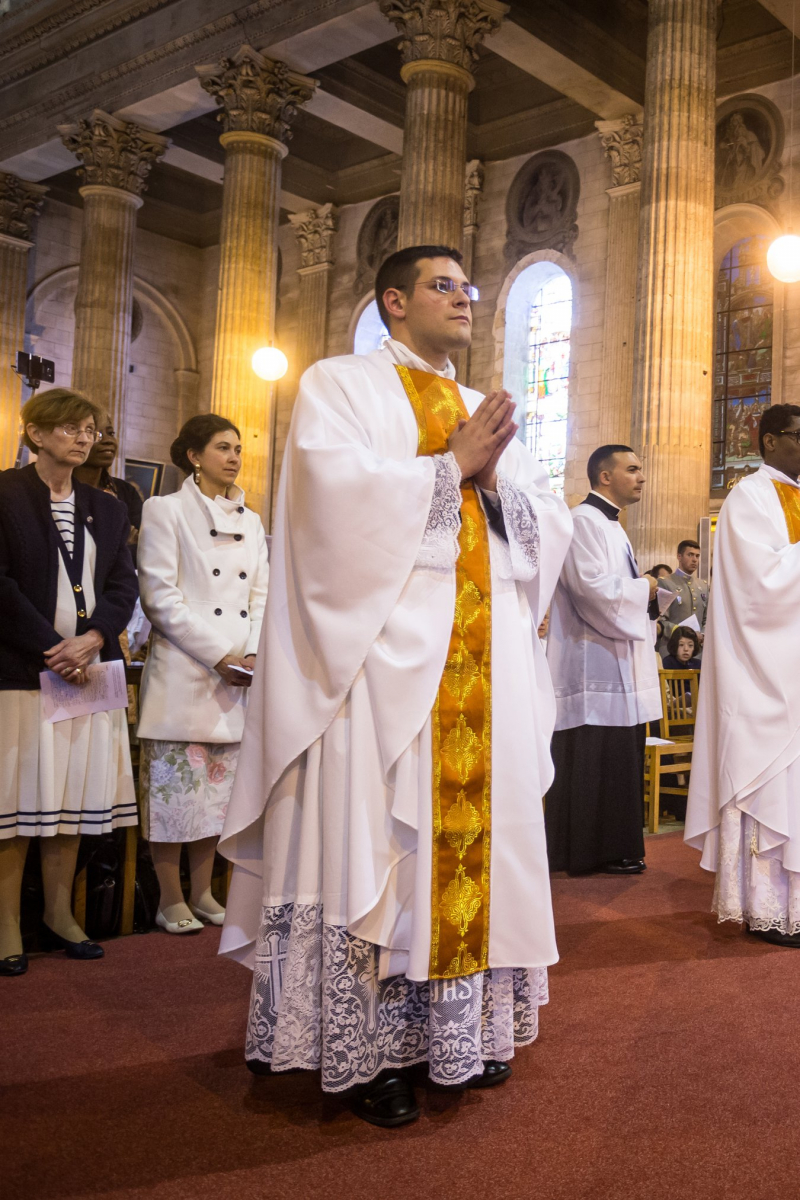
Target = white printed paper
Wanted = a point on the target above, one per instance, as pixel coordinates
(243, 670)
(665, 598)
(654, 741)
(104, 691)
(691, 623)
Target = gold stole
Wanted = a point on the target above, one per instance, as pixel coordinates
(462, 716)
(790, 503)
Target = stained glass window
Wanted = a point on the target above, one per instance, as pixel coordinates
(371, 332)
(548, 377)
(743, 364)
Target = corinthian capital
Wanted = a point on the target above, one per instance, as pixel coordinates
(20, 201)
(448, 30)
(622, 142)
(256, 95)
(314, 231)
(114, 153)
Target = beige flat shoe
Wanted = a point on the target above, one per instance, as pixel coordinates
(187, 925)
(212, 918)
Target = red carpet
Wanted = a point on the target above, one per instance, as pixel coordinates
(667, 1066)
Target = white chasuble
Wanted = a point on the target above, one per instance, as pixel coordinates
(744, 796)
(599, 644)
(332, 803)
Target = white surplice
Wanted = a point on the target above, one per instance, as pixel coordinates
(599, 643)
(332, 800)
(743, 811)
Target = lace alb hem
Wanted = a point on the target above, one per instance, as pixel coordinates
(522, 530)
(439, 547)
(317, 1004)
(753, 886)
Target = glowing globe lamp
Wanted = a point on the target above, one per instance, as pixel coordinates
(783, 258)
(270, 363)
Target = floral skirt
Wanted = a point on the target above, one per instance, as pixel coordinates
(185, 788)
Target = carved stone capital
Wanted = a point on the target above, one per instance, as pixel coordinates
(472, 190)
(20, 201)
(113, 153)
(255, 94)
(622, 142)
(314, 231)
(445, 30)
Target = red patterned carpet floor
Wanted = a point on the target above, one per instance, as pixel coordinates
(667, 1066)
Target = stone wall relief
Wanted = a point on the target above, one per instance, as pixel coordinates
(377, 239)
(542, 206)
(748, 148)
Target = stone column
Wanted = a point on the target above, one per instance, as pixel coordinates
(674, 298)
(258, 99)
(116, 158)
(314, 230)
(20, 201)
(439, 48)
(473, 184)
(187, 383)
(622, 141)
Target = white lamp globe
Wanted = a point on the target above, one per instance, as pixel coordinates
(270, 363)
(783, 258)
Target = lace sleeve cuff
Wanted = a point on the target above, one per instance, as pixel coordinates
(522, 530)
(439, 547)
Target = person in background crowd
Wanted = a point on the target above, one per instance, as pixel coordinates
(95, 472)
(67, 590)
(659, 571)
(692, 593)
(683, 650)
(605, 674)
(203, 574)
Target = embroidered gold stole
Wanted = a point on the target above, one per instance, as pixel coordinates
(790, 503)
(462, 716)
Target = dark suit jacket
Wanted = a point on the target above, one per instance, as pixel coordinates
(29, 558)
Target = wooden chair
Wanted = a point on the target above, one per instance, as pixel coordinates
(679, 691)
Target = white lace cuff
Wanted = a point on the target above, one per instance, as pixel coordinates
(522, 530)
(439, 546)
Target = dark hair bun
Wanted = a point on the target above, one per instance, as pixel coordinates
(195, 435)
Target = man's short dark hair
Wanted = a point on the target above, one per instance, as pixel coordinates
(659, 567)
(687, 544)
(400, 271)
(774, 420)
(600, 458)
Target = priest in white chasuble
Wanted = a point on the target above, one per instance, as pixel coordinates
(390, 887)
(743, 811)
(600, 649)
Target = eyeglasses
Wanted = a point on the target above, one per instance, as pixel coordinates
(444, 286)
(73, 432)
(792, 433)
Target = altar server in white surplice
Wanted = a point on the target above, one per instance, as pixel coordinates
(605, 673)
(401, 710)
(744, 796)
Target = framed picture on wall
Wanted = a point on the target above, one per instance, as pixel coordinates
(144, 475)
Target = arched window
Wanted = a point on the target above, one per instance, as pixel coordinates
(370, 332)
(743, 366)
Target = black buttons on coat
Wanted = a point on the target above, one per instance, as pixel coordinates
(240, 509)
(243, 574)
(242, 613)
(217, 612)
(213, 532)
(215, 571)
(237, 537)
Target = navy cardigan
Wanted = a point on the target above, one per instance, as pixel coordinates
(29, 558)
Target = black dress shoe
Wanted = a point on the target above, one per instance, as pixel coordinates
(54, 941)
(493, 1073)
(257, 1067)
(776, 938)
(15, 964)
(388, 1101)
(625, 866)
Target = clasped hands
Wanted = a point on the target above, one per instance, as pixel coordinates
(477, 444)
(70, 658)
(226, 667)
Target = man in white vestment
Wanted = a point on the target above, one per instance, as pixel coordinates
(743, 811)
(605, 673)
(401, 713)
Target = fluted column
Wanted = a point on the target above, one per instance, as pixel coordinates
(315, 235)
(674, 314)
(622, 141)
(20, 201)
(116, 158)
(473, 185)
(258, 99)
(439, 48)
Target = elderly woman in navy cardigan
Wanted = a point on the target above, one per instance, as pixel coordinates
(67, 590)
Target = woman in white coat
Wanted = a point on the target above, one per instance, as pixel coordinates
(203, 573)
